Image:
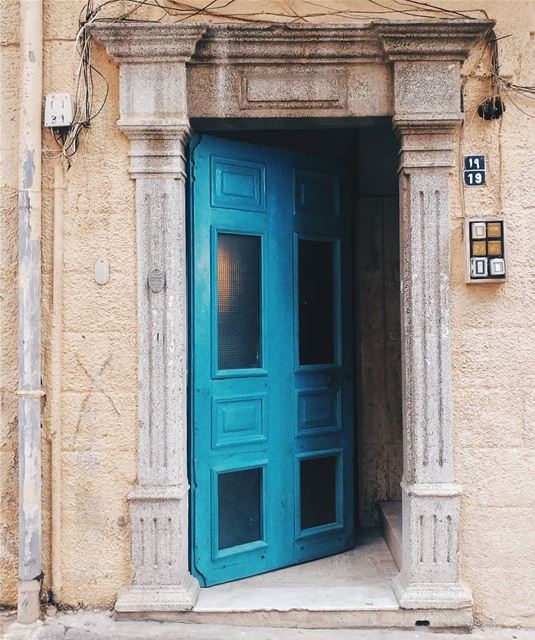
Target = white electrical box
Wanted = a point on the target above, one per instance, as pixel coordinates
(59, 110)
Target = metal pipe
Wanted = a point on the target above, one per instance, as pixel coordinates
(29, 290)
(56, 343)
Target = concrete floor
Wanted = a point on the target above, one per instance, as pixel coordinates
(348, 591)
(354, 580)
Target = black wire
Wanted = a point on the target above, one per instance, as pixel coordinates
(84, 112)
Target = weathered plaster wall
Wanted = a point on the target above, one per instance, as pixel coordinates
(99, 348)
(99, 324)
(492, 326)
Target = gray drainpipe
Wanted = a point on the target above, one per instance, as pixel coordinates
(29, 288)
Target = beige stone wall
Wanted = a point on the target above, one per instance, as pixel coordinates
(494, 345)
(492, 326)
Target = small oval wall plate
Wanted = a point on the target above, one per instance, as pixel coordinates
(156, 280)
(102, 271)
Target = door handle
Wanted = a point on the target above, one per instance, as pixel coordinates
(329, 380)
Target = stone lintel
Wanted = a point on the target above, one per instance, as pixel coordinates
(281, 44)
(290, 70)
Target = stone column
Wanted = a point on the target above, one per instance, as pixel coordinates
(153, 103)
(159, 503)
(427, 115)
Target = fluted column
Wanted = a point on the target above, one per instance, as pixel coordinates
(159, 503)
(429, 576)
(153, 104)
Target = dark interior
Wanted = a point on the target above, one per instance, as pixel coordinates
(371, 152)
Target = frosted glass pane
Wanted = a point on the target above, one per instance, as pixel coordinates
(240, 507)
(238, 301)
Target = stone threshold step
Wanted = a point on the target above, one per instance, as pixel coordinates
(390, 513)
(342, 619)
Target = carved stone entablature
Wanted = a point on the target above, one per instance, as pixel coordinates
(283, 43)
(298, 71)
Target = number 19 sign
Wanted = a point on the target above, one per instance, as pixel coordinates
(474, 170)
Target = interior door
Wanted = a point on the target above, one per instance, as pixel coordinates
(271, 364)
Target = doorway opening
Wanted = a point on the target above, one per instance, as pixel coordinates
(368, 156)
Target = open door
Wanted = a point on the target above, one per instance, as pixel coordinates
(271, 359)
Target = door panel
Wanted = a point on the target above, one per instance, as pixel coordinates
(271, 396)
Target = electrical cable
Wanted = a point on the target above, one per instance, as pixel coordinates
(179, 11)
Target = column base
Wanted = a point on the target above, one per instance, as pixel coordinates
(431, 595)
(159, 598)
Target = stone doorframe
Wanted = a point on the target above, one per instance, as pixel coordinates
(314, 75)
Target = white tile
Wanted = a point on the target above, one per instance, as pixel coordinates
(479, 230)
(497, 267)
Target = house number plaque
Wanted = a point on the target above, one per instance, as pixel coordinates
(156, 280)
(474, 171)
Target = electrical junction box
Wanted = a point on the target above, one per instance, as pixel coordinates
(59, 110)
(485, 250)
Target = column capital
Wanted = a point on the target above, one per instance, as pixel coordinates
(157, 148)
(425, 125)
(426, 143)
(427, 108)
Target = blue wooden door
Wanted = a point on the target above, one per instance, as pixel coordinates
(271, 366)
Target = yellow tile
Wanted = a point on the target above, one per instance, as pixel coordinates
(494, 230)
(479, 248)
(495, 248)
